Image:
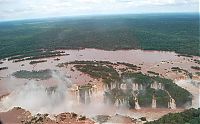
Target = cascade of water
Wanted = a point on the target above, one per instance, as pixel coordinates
(124, 102)
(106, 87)
(117, 103)
(105, 100)
(85, 97)
(93, 91)
(172, 103)
(123, 86)
(113, 85)
(133, 87)
(90, 93)
(120, 102)
(136, 87)
(137, 106)
(156, 86)
(75, 93)
(160, 86)
(141, 87)
(78, 96)
(154, 101)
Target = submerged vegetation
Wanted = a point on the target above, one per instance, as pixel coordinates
(197, 61)
(168, 32)
(195, 67)
(152, 72)
(3, 68)
(197, 73)
(41, 74)
(36, 55)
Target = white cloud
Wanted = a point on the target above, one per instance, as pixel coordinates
(14, 9)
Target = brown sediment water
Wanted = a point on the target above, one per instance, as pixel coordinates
(148, 59)
(157, 61)
(154, 114)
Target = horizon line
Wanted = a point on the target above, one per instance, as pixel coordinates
(93, 15)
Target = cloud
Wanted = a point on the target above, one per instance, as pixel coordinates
(14, 9)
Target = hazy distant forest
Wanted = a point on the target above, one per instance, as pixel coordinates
(167, 32)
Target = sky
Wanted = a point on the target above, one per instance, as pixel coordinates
(25, 9)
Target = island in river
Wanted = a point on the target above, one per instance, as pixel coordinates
(134, 84)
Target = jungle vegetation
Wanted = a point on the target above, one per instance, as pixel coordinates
(191, 116)
(166, 32)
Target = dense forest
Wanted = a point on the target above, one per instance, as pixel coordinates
(191, 116)
(167, 32)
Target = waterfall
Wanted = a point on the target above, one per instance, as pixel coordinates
(120, 102)
(117, 103)
(93, 91)
(141, 87)
(90, 93)
(160, 86)
(113, 85)
(124, 102)
(154, 101)
(76, 93)
(106, 87)
(154, 85)
(157, 86)
(78, 96)
(85, 97)
(135, 86)
(172, 103)
(123, 86)
(137, 106)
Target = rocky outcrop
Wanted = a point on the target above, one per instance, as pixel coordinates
(116, 119)
(20, 116)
